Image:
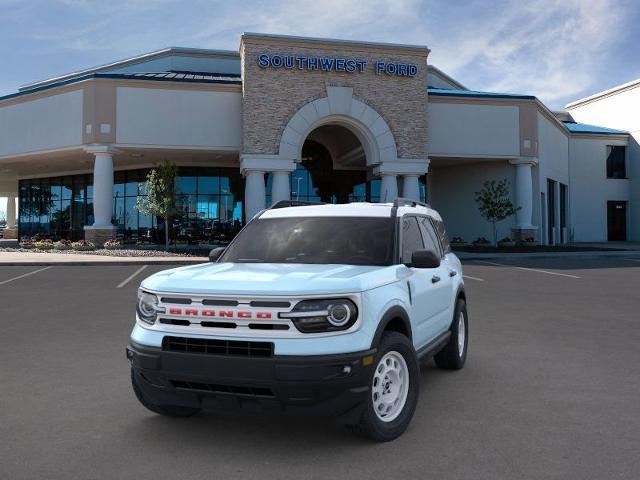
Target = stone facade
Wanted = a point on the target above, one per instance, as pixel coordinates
(272, 96)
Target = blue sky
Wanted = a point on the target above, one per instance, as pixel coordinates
(558, 50)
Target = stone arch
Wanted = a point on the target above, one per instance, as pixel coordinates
(340, 108)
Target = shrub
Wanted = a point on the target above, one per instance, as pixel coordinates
(62, 245)
(112, 244)
(26, 242)
(457, 240)
(83, 245)
(481, 241)
(505, 240)
(43, 244)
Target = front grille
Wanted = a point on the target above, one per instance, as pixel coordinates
(218, 347)
(230, 389)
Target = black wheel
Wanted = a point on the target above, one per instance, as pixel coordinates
(394, 390)
(454, 353)
(167, 410)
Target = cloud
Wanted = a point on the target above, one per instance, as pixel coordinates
(554, 49)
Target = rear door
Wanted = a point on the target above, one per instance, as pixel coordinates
(427, 286)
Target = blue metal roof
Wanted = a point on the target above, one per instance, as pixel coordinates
(575, 127)
(188, 77)
(445, 92)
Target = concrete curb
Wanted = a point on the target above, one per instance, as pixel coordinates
(597, 254)
(93, 263)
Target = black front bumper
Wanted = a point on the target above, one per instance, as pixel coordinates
(328, 385)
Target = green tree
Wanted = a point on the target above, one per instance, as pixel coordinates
(494, 203)
(160, 199)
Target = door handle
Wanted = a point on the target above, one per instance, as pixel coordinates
(435, 279)
(452, 273)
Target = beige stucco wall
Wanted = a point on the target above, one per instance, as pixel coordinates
(272, 96)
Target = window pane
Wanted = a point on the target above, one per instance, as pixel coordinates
(429, 236)
(208, 185)
(185, 185)
(131, 185)
(118, 184)
(411, 238)
(616, 167)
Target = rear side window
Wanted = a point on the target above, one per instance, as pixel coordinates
(430, 238)
(442, 234)
(411, 238)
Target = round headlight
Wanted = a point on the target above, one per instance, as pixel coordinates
(339, 314)
(147, 307)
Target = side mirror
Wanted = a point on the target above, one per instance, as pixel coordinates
(215, 254)
(424, 259)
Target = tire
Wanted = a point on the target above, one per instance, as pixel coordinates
(166, 410)
(398, 350)
(451, 357)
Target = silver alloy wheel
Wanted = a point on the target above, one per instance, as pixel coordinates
(461, 334)
(390, 387)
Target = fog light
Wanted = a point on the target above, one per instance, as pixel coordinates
(368, 360)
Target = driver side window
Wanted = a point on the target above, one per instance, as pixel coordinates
(411, 238)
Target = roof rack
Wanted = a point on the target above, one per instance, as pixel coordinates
(408, 202)
(294, 203)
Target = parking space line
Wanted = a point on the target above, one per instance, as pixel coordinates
(131, 277)
(529, 269)
(632, 259)
(473, 278)
(25, 275)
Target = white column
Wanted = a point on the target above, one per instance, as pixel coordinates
(11, 212)
(280, 187)
(524, 192)
(411, 187)
(254, 193)
(388, 187)
(103, 189)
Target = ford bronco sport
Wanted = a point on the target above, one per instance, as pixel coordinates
(316, 309)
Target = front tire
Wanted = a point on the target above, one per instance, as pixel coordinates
(394, 388)
(166, 410)
(454, 353)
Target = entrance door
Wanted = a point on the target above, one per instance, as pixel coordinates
(617, 221)
(551, 212)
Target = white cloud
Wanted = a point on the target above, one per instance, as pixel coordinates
(553, 49)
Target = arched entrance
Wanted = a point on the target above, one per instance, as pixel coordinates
(333, 168)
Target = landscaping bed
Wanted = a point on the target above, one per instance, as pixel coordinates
(120, 252)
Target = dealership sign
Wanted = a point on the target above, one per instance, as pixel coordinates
(336, 64)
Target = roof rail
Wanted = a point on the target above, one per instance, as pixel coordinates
(408, 202)
(294, 203)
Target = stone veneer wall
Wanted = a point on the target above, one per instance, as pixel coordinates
(271, 96)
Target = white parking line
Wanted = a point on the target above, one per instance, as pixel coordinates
(473, 278)
(132, 276)
(632, 259)
(529, 269)
(24, 275)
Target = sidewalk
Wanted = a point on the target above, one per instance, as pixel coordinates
(37, 259)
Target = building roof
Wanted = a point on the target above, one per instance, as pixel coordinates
(145, 57)
(604, 93)
(172, 76)
(575, 127)
(445, 92)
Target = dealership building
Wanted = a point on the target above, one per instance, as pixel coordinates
(309, 119)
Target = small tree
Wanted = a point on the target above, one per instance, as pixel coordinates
(160, 193)
(494, 203)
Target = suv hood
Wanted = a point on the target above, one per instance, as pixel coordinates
(272, 279)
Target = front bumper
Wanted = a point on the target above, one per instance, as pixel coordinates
(327, 385)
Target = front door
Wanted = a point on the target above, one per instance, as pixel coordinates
(617, 221)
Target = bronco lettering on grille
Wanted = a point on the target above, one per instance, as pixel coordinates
(194, 312)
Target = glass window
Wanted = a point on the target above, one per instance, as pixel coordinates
(186, 184)
(208, 185)
(131, 184)
(324, 240)
(616, 161)
(431, 241)
(119, 180)
(442, 235)
(411, 237)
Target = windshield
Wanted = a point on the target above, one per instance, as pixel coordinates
(339, 240)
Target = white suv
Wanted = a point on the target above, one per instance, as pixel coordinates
(313, 309)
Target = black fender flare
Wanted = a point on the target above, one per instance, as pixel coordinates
(394, 312)
(460, 294)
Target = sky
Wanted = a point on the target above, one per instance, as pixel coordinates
(558, 50)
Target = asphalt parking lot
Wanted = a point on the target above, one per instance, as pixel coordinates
(551, 388)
